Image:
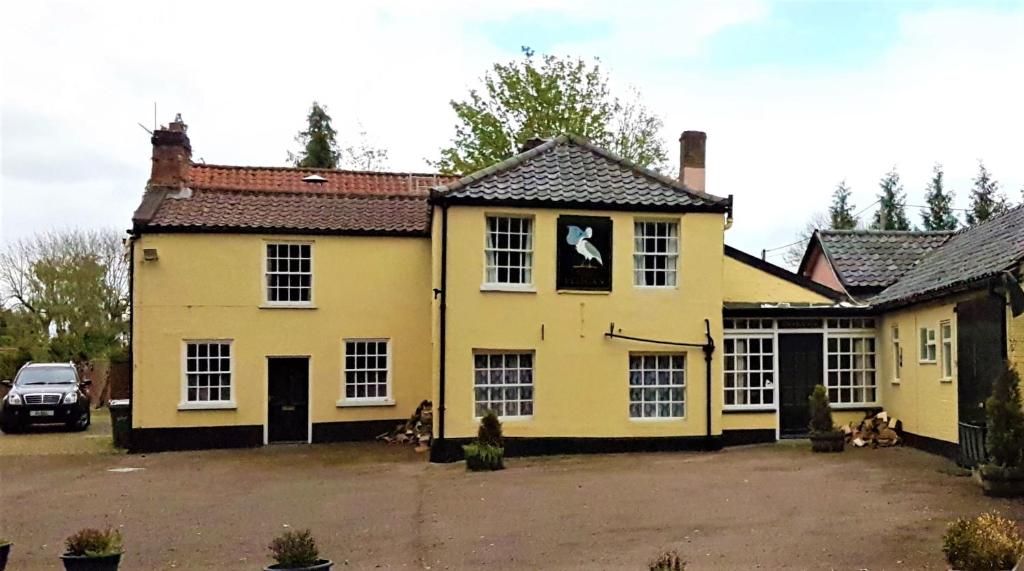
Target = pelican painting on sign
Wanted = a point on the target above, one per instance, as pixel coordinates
(584, 253)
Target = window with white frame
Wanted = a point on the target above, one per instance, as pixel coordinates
(749, 372)
(208, 370)
(897, 354)
(850, 377)
(509, 250)
(503, 383)
(946, 336)
(657, 385)
(655, 253)
(289, 274)
(927, 349)
(367, 366)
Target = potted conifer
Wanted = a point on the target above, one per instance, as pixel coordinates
(824, 436)
(985, 543)
(5, 550)
(93, 550)
(1003, 475)
(487, 452)
(297, 551)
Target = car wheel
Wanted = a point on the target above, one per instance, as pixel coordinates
(9, 428)
(82, 423)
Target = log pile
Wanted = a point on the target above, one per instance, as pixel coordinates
(417, 431)
(878, 430)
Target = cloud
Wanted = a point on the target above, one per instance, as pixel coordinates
(79, 76)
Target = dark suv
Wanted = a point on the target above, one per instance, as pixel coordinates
(45, 393)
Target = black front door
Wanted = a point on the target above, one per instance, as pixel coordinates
(288, 399)
(981, 350)
(800, 368)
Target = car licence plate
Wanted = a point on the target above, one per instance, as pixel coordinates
(40, 413)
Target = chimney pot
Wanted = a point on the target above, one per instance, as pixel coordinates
(172, 156)
(692, 146)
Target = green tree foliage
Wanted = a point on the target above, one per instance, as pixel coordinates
(821, 411)
(1005, 421)
(986, 198)
(892, 204)
(545, 97)
(841, 216)
(318, 147)
(939, 215)
(67, 294)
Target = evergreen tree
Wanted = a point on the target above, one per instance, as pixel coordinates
(939, 215)
(986, 199)
(892, 204)
(841, 216)
(318, 146)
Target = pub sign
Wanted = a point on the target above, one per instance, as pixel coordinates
(584, 253)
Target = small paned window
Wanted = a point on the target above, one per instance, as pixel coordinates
(208, 371)
(509, 250)
(367, 364)
(946, 335)
(897, 354)
(851, 369)
(655, 253)
(657, 385)
(749, 372)
(927, 348)
(748, 323)
(503, 383)
(289, 274)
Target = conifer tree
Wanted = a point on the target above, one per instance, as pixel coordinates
(892, 204)
(986, 199)
(319, 149)
(939, 215)
(841, 216)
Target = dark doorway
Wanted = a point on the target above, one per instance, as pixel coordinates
(981, 351)
(288, 399)
(800, 368)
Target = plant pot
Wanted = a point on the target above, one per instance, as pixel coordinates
(321, 565)
(1018, 567)
(5, 550)
(828, 441)
(86, 563)
(999, 482)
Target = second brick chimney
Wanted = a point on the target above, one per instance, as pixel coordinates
(691, 159)
(172, 156)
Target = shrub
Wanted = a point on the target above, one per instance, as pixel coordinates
(94, 543)
(986, 543)
(490, 430)
(668, 561)
(295, 550)
(1005, 420)
(481, 457)
(821, 411)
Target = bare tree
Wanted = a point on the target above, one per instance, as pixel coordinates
(795, 252)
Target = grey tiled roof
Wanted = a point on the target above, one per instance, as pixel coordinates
(876, 259)
(970, 255)
(570, 170)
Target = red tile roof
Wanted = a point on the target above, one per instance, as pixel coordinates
(225, 198)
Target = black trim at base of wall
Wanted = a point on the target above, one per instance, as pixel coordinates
(353, 431)
(932, 445)
(195, 438)
(748, 436)
(450, 449)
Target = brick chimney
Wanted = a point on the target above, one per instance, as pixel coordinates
(172, 156)
(691, 159)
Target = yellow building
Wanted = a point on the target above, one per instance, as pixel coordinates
(591, 303)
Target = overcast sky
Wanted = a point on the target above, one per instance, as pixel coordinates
(794, 96)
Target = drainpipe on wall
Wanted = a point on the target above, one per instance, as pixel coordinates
(709, 350)
(442, 325)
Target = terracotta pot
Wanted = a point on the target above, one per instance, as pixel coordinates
(322, 565)
(86, 563)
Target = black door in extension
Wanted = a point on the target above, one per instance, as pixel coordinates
(981, 351)
(288, 399)
(800, 368)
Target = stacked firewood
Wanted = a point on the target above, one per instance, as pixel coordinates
(417, 431)
(875, 430)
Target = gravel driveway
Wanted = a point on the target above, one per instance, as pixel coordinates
(373, 506)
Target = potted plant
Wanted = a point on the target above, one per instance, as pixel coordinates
(297, 551)
(93, 550)
(985, 543)
(1003, 475)
(824, 436)
(487, 452)
(5, 550)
